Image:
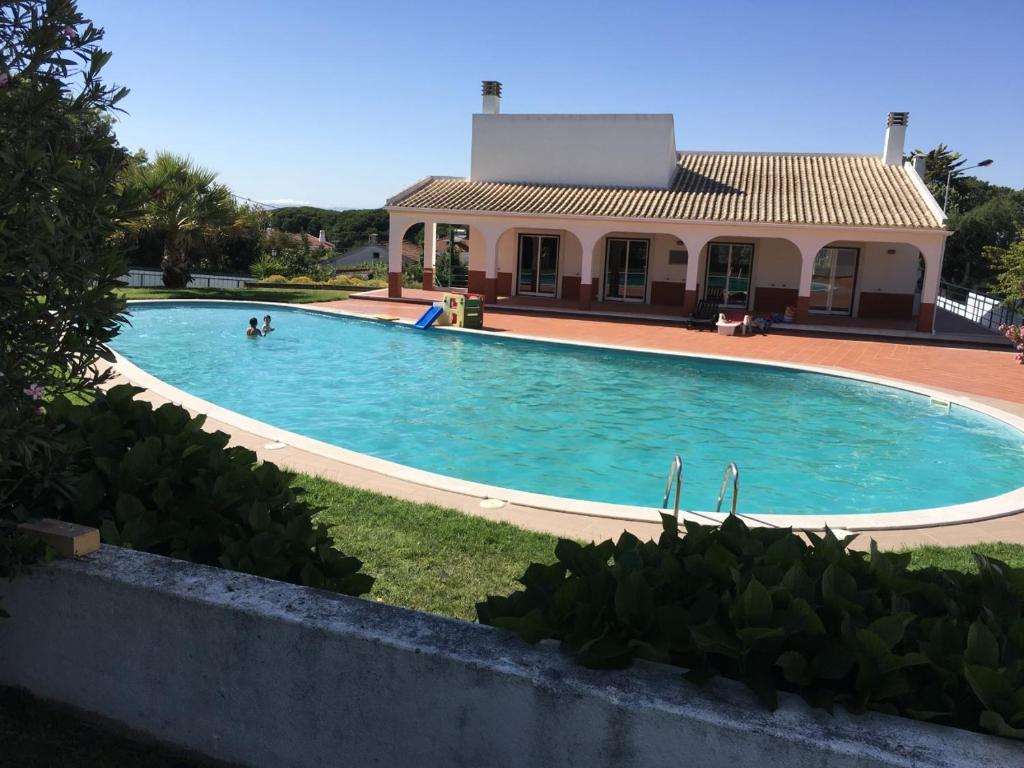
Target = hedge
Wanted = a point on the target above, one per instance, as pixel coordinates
(762, 606)
(153, 479)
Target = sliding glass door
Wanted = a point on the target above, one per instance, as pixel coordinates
(730, 266)
(538, 265)
(625, 273)
(832, 282)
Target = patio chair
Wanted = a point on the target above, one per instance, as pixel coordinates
(705, 315)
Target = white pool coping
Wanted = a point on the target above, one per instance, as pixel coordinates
(983, 509)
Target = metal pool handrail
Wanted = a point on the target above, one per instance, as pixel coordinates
(732, 468)
(675, 472)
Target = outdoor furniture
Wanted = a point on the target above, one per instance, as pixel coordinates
(704, 315)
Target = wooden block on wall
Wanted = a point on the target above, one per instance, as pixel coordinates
(67, 539)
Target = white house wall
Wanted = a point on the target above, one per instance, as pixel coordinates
(603, 150)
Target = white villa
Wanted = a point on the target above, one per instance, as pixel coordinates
(585, 210)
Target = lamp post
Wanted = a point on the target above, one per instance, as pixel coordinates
(949, 176)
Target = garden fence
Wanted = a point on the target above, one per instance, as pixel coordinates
(153, 278)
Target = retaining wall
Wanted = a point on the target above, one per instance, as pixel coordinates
(269, 674)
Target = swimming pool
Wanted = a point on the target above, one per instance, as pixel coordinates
(579, 422)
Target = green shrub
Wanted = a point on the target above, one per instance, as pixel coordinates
(155, 480)
(301, 280)
(357, 282)
(275, 279)
(60, 263)
(762, 606)
(267, 266)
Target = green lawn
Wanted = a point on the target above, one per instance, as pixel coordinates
(287, 295)
(426, 557)
(959, 558)
(34, 734)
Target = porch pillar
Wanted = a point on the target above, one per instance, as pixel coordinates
(694, 242)
(808, 252)
(932, 254)
(491, 270)
(397, 225)
(588, 241)
(429, 254)
(485, 281)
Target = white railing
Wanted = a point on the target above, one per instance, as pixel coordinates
(989, 311)
(153, 278)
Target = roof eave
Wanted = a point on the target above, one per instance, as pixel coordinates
(926, 194)
(704, 222)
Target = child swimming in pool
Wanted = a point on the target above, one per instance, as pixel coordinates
(252, 331)
(266, 325)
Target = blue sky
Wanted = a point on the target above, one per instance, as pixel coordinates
(344, 104)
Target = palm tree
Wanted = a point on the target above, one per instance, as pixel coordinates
(182, 201)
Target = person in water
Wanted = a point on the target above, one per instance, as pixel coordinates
(253, 331)
(266, 325)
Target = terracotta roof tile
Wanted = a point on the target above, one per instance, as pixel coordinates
(840, 190)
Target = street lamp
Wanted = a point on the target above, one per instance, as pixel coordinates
(949, 175)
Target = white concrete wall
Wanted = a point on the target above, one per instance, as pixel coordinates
(615, 150)
(776, 264)
(262, 673)
(885, 272)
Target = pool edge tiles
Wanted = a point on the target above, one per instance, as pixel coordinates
(994, 506)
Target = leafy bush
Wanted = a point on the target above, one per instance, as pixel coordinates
(59, 265)
(275, 279)
(302, 280)
(762, 606)
(155, 480)
(357, 282)
(267, 266)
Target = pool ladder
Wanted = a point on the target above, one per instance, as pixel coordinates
(733, 470)
(675, 476)
(675, 472)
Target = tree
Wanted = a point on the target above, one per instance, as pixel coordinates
(60, 204)
(1009, 263)
(184, 203)
(939, 163)
(979, 214)
(992, 224)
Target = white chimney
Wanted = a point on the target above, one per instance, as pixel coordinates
(919, 164)
(323, 237)
(895, 132)
(492, 97)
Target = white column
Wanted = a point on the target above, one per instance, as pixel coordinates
(932, 253)
(429, 244)
(397, 225)
(809, 248)
(694, 240)
(589, 239)
(489, 234)
(491, 262)
(429, 253)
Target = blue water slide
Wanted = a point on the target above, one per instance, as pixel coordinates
(429, 317)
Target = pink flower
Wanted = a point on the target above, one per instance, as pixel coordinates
(35, 391)
(69, 32)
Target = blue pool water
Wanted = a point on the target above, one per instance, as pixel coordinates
(578, 422)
